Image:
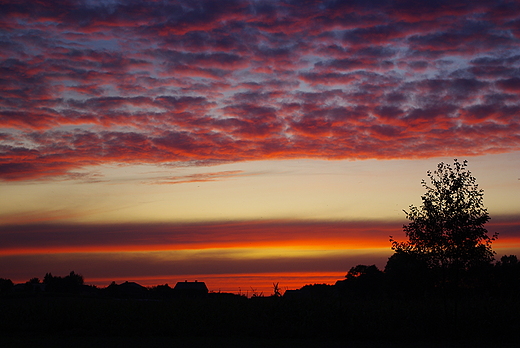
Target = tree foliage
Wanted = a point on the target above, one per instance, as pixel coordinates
(6, 285)
(362, 281)
(407, 276)
(363, 271)
(71, 283)
(447, 230)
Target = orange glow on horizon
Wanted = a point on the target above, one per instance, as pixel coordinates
(235, 283)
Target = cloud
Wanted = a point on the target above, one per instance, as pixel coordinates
(44, 238)
(154, 250)
(329, 235)
(510, 85)
(159, 251)
(85, 83)
(202, 177)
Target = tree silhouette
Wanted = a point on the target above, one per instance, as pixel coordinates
(71, 283)
(447, 233)
(447, 230)
(407, 276)
(362, 281)
(507, 276)
(6, 285)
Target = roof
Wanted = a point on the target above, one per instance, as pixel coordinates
(192, 286)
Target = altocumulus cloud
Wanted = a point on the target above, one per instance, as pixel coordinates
(86, 83)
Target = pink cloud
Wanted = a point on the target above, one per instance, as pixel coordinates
(153, 82)
(203, 177)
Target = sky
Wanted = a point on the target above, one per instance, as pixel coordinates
(245, 143)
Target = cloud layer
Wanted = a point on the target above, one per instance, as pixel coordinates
(73, 238)
(224, 254)
(84, 83)
(45, 238)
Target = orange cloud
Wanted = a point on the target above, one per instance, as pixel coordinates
(85, 84)
(202, 177)
(45, 238)
(227, 255)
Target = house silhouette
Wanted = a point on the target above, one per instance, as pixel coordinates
(190, 289)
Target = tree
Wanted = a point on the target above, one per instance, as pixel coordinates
(71, 283)
(507, 276)
(447, 230)
(363, 271)
(407, 276)
(362, 281)
(6, 286)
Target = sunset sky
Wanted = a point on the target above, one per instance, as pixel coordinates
(243, 143)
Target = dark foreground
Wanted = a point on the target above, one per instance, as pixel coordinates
(260, 322)
(227, 342)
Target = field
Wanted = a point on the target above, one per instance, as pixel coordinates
(257, 322)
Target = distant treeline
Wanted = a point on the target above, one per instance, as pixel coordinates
(405, 302)
(74, 285)
(404, 277)
(408, 277)
(367, 305)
